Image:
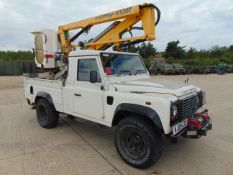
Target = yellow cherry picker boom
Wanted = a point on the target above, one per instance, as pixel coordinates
(53, 47)
(113, 34)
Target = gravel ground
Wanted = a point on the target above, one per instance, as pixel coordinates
(80, 147)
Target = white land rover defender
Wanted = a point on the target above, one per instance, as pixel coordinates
(114, 89)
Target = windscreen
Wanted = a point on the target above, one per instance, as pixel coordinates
(117, 64)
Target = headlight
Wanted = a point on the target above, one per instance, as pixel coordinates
(174, 114)
(174, 110)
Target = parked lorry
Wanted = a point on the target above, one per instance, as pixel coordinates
(153, 70)
(179, 68)
(229, 68)
(114, 89)
(155, 66)
(167, 69)
(189, 69)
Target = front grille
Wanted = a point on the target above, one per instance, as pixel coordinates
(188, 106)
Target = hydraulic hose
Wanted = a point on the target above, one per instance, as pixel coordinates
(158, 15)
(140, 28)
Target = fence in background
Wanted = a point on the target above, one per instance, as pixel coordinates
(16, 67)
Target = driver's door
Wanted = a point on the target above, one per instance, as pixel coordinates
(87, 96)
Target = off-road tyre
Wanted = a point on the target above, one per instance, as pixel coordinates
(137, 142)
(47, 116)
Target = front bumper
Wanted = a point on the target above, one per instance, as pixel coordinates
(195, 128)
(195, 134)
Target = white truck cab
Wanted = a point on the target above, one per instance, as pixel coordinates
(115, 89)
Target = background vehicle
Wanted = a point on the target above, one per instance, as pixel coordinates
(229, 69)
(221, 69)
(197, 70)
(155, 66)
(179, 68)
(114, 88)
(213, 69)
(189, 69)
(153, 70)
(167, 69)
(206, 70)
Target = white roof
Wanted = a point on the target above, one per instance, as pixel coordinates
(94, 52)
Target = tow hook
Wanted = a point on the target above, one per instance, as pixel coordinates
(198, 125)
(32, 105)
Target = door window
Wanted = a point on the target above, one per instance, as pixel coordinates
(85, 66)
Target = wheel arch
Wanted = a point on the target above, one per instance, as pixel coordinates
(125, 109)
(44, 95)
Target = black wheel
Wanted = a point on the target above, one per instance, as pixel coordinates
(137, 142)
(46, 114)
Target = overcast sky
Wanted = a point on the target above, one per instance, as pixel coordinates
(196, 23)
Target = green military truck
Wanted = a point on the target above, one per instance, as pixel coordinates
(167, 69)
(179, 69)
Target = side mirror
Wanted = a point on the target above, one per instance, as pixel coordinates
(93, 76)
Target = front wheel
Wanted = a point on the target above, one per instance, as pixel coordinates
(137, 142)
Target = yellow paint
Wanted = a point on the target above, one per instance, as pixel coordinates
(128, 16)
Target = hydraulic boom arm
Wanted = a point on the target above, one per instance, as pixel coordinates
(123, 21)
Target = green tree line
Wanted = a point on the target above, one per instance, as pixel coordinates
(16, 55)
(215, 55)
(174, 53)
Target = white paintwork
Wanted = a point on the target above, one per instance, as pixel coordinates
(92, 105)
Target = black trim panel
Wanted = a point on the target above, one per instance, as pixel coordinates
(44, 95)
(110, 100)
(141, 110)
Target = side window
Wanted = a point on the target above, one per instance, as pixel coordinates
(85, 66)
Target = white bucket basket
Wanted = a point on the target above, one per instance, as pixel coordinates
(47, 45)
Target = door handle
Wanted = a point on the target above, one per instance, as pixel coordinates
(78, 95)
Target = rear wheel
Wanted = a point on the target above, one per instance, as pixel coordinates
(47, 116)
(137, 142)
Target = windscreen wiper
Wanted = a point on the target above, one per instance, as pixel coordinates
(124, 72)
(139, 71)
